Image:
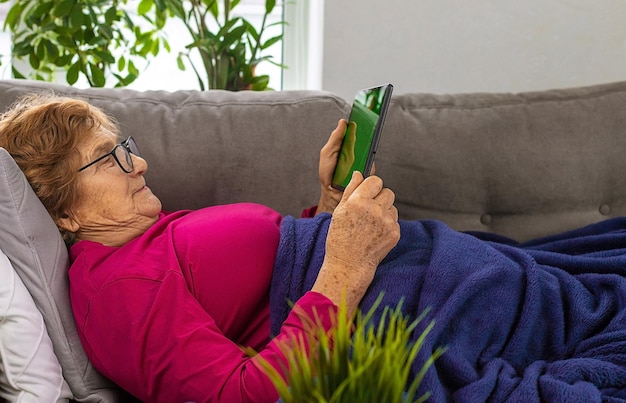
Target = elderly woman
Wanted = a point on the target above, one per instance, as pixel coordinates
(163, 301)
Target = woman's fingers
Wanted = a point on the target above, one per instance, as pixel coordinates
(353, 185)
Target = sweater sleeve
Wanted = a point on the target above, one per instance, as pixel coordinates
(178, 353)
(309, 212)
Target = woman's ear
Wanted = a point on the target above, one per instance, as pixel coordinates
(67, 223)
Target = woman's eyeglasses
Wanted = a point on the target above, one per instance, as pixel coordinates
(121, 154)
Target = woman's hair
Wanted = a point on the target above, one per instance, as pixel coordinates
(42, 133)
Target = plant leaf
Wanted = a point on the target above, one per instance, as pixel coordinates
(180, 62)
(64, 60)
(97, 75)
(144, 6)
(76, 19)
(272, 41)
(105, 56)
(16, 73)
(121, 63)
(63, 8)
(13, 16)
(52, 52)
(72, 73)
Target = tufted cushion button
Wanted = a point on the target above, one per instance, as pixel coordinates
(486, 219)
(605, 209)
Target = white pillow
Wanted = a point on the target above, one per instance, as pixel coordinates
(29, 370)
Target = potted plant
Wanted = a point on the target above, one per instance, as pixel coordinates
(103, 41)
(229, 46)
(359, 360)
(98, 39)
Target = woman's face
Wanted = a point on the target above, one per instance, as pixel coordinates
(113, 206)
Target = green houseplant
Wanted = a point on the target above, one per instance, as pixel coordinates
(357, 361)
(98, 39)
(229, 46)
(106, 43)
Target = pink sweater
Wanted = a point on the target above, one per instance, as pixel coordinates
(164, 316)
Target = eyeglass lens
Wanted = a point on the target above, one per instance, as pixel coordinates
(131, 146)
(122, 154)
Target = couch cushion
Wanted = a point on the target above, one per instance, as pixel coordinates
(36, 250)
(29, 370)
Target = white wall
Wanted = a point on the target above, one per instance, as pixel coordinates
(447, 46)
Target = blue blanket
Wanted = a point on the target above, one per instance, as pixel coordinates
(539, 321)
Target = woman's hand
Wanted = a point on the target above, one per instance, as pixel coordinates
(363, 229)
(330, 197)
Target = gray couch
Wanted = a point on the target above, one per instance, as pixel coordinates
(519, 165)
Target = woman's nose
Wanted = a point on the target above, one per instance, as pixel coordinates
(140, 166)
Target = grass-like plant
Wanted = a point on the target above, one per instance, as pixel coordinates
(357, 361)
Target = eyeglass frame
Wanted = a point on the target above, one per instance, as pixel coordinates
(127, 148)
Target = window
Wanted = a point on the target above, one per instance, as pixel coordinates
(303, 44)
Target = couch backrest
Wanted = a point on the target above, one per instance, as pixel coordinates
(521, 165)
(215, 147)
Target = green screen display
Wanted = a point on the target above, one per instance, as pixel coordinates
(361, 137)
